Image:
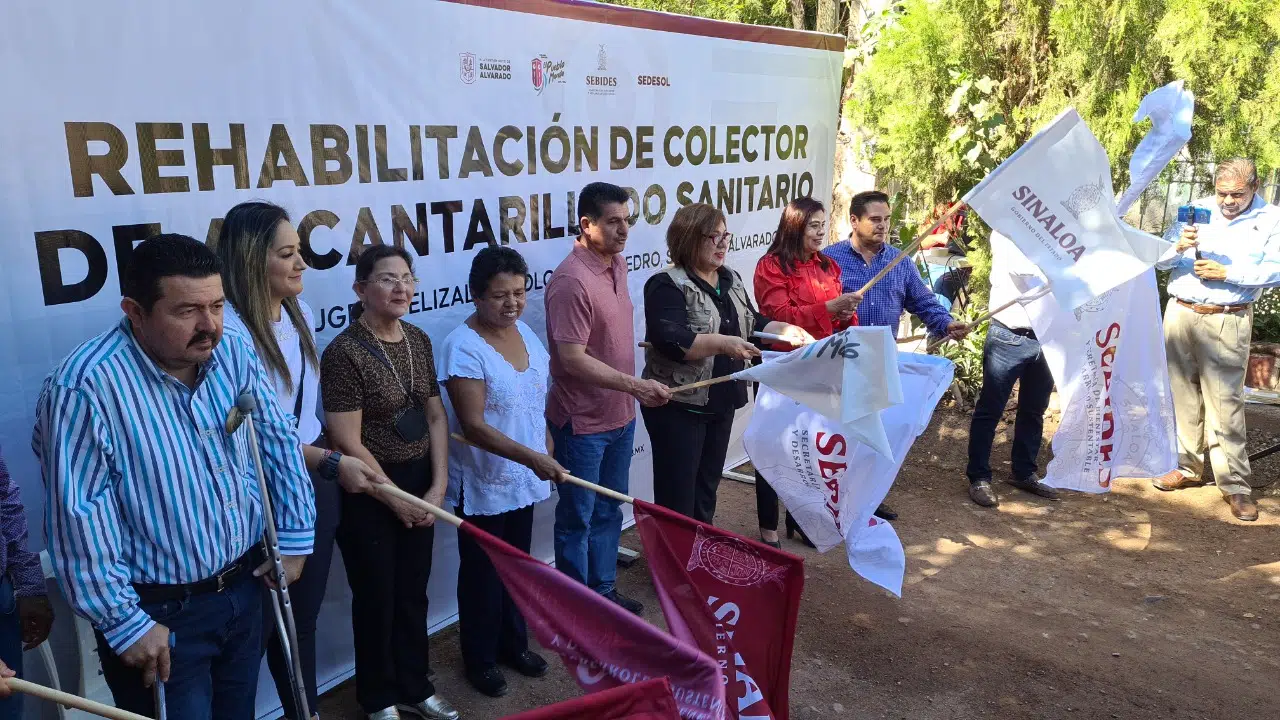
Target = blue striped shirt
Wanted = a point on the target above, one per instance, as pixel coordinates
(901, 288)
(143, 483)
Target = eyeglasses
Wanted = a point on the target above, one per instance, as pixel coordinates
(392, 283)
(721, 240)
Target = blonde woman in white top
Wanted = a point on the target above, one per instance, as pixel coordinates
(262, 269)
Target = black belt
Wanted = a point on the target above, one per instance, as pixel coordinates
(1024, 332)
(239, 570)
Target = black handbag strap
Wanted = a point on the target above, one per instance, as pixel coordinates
(297, 401)
(378, 354)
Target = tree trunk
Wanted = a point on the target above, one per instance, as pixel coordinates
(848, 177)
(797, 14)
(828, 16)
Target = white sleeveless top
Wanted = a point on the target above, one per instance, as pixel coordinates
(290, 343)
(515, 405)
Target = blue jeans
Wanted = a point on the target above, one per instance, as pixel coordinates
(214, 662)
(10, 646)
(589, 525)
(1008, 356)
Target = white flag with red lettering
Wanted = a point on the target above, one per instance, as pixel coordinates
(832, 483)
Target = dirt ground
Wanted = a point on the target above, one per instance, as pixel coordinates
(1138, 604)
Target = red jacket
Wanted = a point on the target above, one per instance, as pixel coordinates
(800, 296)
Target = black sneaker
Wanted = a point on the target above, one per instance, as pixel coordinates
(488, 682)
(527, 663)
(632, 606)
(884, 512)
(1035, 486)
(981, 493)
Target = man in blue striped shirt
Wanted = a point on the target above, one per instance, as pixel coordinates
(153, 510)
(866, 253)
(863, 256)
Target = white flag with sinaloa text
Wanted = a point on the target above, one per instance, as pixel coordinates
(1054, 199)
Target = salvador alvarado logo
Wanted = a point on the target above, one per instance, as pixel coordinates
(471, 68)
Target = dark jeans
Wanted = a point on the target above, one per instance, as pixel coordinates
(388, 566)
(1008, 356)
(489, 623)
(214, 661)
(588, 525)
(688, 458)
(10, 646)
(766, 504)
(306, 596)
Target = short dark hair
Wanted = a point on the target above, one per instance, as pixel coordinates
(372, 255)
(491, 262)
(858, 204)
(1237, 168)
(595, 196)
(162, 256)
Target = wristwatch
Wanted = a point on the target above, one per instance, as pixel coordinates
(329, 465)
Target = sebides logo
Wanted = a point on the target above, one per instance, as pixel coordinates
(601, 84)
(653, 81)
(545, 72)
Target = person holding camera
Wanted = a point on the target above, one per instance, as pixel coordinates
(382, 405)
(1208, 326)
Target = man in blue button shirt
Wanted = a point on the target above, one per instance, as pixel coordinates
(1218, 270)
(152, 508)
(864, 255)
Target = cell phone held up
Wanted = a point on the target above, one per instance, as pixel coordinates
(1192, 215)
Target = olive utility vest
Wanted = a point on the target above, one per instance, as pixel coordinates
(704, 319)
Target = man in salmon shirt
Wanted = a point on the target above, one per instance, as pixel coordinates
(591, 409)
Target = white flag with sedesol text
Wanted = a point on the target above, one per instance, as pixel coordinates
(849, 377)
(1054, 199)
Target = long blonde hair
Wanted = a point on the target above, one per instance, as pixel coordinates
(243, 245)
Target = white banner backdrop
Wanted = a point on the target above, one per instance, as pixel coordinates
(441, 126)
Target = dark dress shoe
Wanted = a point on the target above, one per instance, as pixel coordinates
(884, 512)
(793, 527)
(488, 682)
(1243, 507)
(1175, 480)
(775, 544)
(1035, 486)
(635, 607)
(981, 493)
(527, 663)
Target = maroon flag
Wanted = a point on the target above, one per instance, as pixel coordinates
(735, 598)
(602, 645)
(648, 700)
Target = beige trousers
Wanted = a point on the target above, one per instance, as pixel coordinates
(1208, 356)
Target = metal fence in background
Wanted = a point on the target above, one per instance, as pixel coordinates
(1182, 182)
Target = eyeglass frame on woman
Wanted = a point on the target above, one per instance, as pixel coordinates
(391, 284)
(724, 239)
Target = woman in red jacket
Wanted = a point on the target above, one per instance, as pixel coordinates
(797, 284)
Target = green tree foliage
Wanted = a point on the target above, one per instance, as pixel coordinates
(951, 87)
(752, 12)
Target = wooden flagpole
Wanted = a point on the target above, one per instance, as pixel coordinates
(66, 699)
(567, 478)
(912, 247)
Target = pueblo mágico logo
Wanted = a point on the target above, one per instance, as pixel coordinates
(545, 72)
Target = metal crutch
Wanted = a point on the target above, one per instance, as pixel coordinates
(286, 628)
(157, 688)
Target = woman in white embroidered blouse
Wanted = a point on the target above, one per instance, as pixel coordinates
(496, 372)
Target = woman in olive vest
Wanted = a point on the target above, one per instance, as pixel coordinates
(699, 323)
